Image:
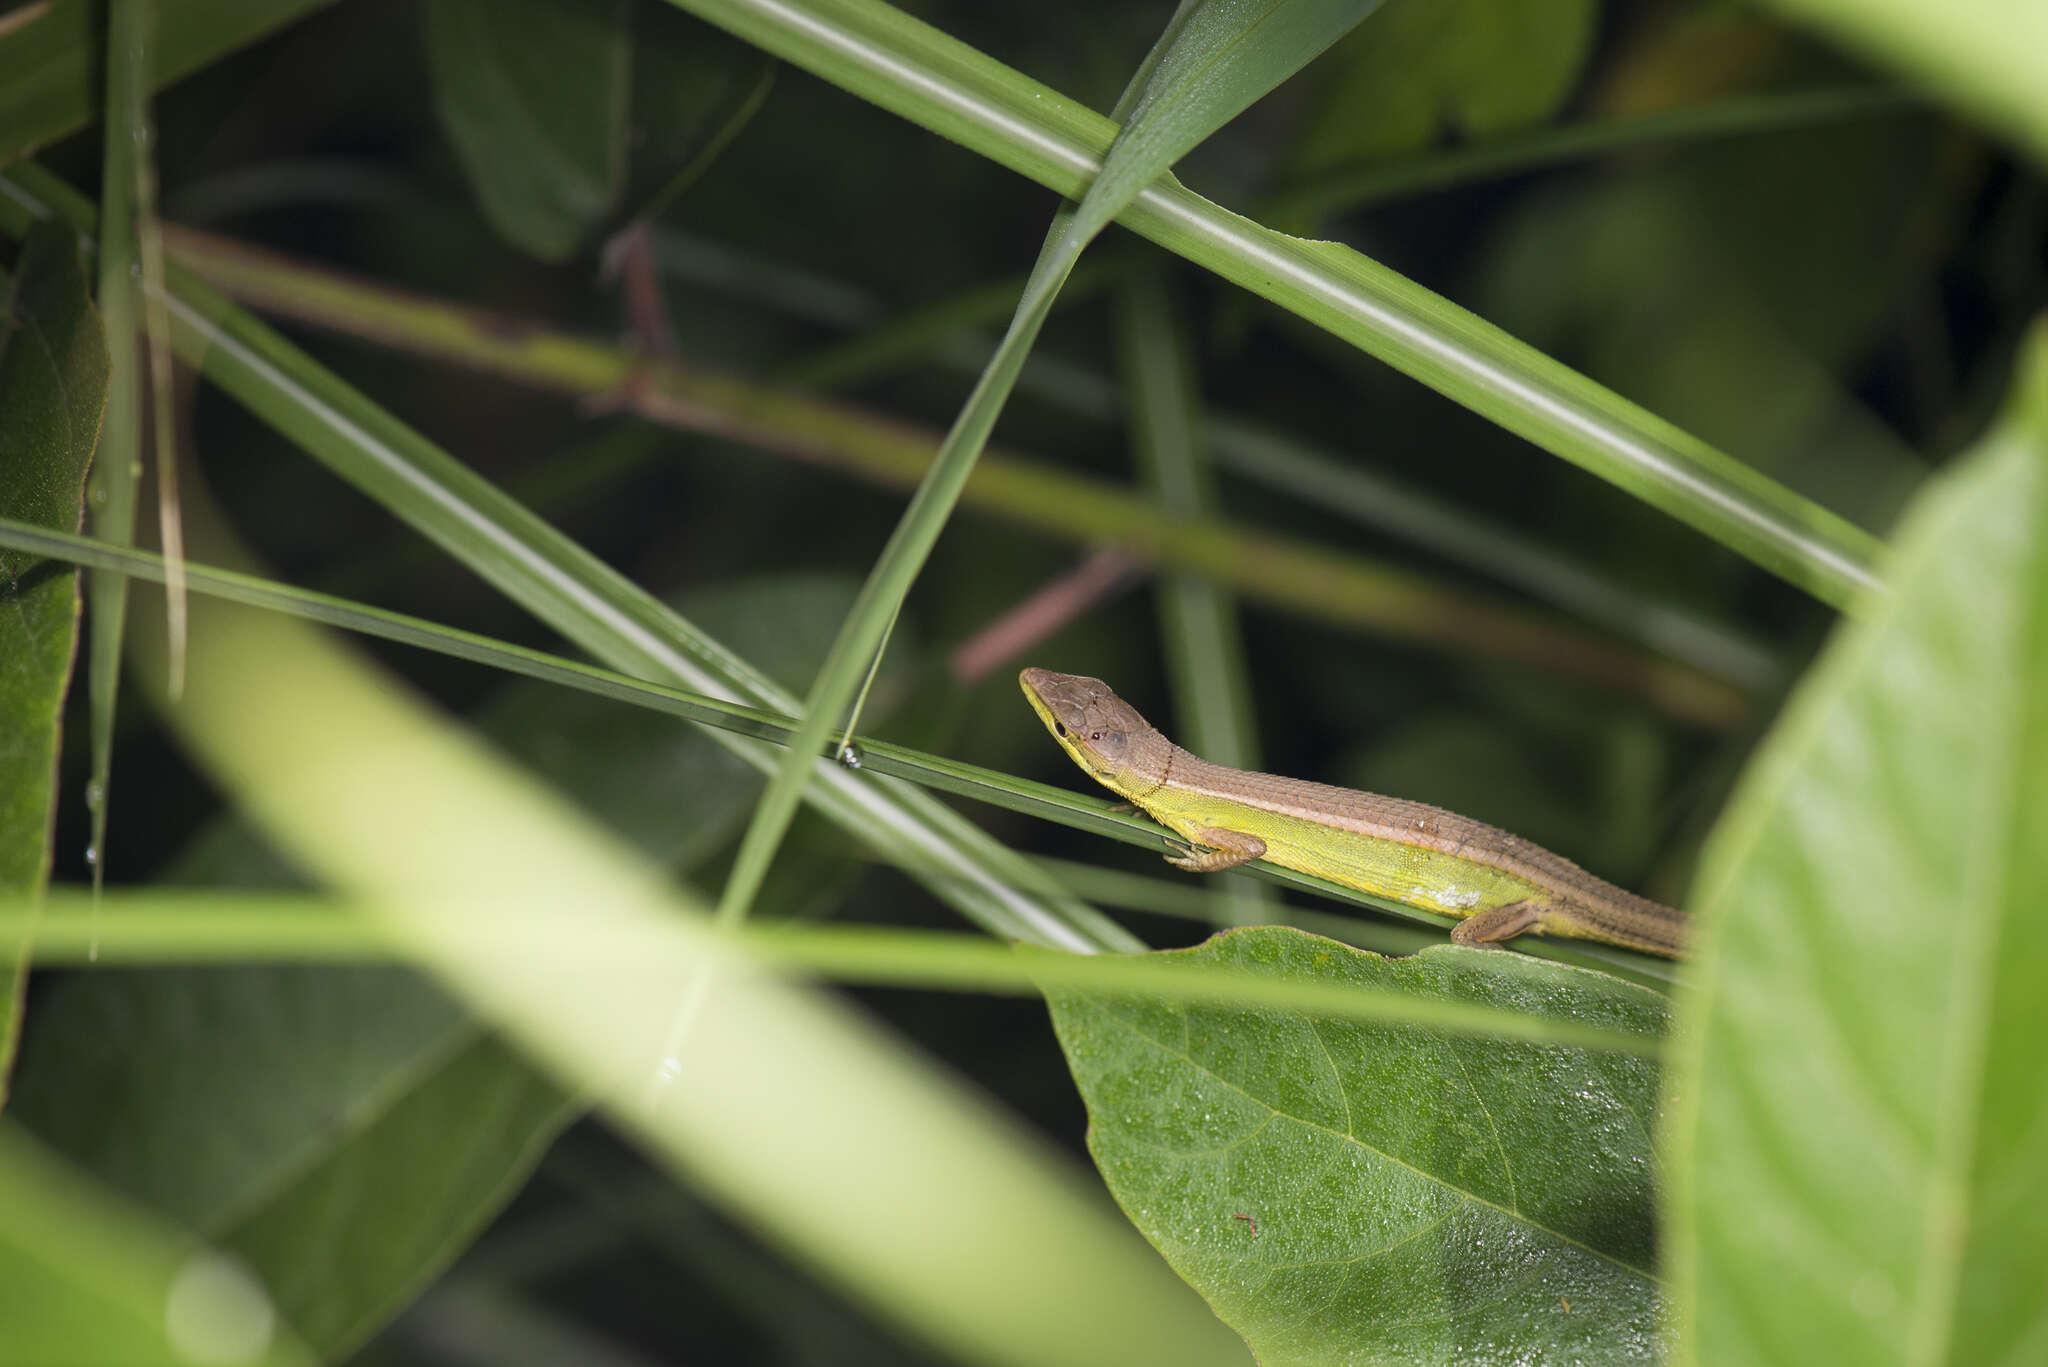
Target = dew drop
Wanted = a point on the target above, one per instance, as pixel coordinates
(850, 756)
(95, 795)
(92, 855)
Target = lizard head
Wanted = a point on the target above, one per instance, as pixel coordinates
(1092, 724)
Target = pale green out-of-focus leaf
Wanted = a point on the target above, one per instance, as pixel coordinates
(1859, 1131)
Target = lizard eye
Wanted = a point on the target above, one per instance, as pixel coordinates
(1095, 735)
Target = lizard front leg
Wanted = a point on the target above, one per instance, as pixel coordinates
(1502, 923)
(1226, 850)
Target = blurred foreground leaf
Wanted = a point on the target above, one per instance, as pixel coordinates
(53, 389)
(348, 1131)
(85, 1280)
(1982, 55)
(1352, 1193)
(1859, 1128)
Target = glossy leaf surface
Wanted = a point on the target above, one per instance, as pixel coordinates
(53, 390)
(1351, 1194)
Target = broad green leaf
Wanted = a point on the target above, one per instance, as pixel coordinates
(53, 389)
(1214, 59)
(1984, 56)
(1858, 1129)
(348, 1131)
(533, 96)
(53, 57)
(85, 1279)
(1345, 1193)
(1474, 67)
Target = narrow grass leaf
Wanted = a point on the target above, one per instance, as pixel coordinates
(1081, 811)
(1344, 589)
(884, 56)
(1205, 652)
(573, 591)
(1858, 1123)
(1213, 60)
(53, 391)
(1352, 1193)
(118, 469)
(1343, 188)
(235, 925)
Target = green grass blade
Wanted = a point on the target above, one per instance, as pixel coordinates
(892, 60)
(1185, 901)
(1509, 154)
(921, 334)
(1265, 456)
(1272, 461)
(235, 926)
(1345, 590)
(1212, 61)
(1198, 621)
(118, 466)
(1081, 811)
(565, 586)
(1198, 624)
